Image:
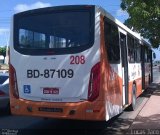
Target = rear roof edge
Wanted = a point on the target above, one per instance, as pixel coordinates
(54, 8)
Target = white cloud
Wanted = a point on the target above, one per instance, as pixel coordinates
(4, 31)
(120, 13)
(24, 7)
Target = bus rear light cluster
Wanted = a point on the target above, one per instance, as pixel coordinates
(94, 83)
(13, 82)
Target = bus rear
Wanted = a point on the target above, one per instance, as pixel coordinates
(55, 63)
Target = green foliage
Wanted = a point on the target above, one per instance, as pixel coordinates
(3, 51)
(144, 17)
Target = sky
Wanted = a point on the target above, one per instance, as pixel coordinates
(10, 7)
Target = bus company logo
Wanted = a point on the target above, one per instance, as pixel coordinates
(50, 90)
(27, 89)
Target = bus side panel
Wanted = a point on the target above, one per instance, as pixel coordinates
(139, 79)
(139, 86)
(147, 74)
(111, 82)
(146, 65)
(99, 103)
(138, 83)
(135, 76)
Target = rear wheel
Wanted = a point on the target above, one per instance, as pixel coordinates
(134, 91)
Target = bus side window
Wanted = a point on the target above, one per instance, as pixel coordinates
(137, 51)
(111, 42)
(148, 55)
(131, 49)
(145, 55)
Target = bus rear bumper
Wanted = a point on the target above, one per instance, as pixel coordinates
(80, 110)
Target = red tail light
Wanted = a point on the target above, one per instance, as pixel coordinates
(13, 82)
(94, 82)
(2, 93)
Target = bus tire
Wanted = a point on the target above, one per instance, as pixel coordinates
(134, 91)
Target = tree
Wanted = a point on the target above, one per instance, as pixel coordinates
(3, 51)
(144, 17)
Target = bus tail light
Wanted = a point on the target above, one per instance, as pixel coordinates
(94, 83)
(13, 82)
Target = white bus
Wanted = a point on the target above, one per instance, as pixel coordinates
(75, 62)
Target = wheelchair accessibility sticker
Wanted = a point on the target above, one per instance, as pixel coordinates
(27, 89)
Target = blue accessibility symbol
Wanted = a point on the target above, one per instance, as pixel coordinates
(27, 89)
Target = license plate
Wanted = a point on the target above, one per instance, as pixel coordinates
(46, 109)
(50, 90)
